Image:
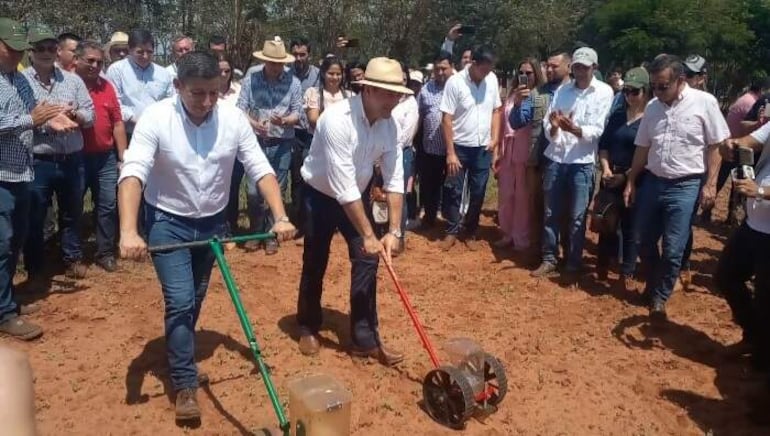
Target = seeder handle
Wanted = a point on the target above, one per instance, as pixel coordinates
(205, 243)
(413, 315)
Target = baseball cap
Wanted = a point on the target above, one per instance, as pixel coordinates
(415, 75)
(696, 64)
(637, 78)
(585, 56)
(13, 35)
(39, 33)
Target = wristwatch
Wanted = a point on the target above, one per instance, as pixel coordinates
(283, 219)
(397, 233)
(760, 194)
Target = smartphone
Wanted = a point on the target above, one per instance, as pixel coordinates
(523, 80)
(353, 42)
(467, 30)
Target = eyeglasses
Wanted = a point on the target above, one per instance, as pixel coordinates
(528, 73)
(45, 48)
(632, 91)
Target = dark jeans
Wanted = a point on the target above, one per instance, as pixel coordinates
(299, 152)
(184, 278)
(622, 244)
(567, 192)
(101, 177)
(278, 153)
(432, 172)
(14, 219)
(664, 210)
(475, 163)
(233, 200)
(326, 216)
(65, 178)
(745, 256)
(408, 162)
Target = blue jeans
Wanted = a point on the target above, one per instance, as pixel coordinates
(184, 278)
(567, 189)
(324, 217)
(664, 209)
(101, 177)
(278, 153)
(475, 163)
(65, 178)
(408, 160)
(14, 218)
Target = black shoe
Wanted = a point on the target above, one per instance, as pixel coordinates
(658, 311)
(107, 263)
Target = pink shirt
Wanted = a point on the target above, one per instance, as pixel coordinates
(738, 112)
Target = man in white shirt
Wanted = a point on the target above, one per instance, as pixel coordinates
(180, 46)
(350, 137)
(746, 253)
(182, 155)
(407, 116)
(573, 125)
(677, 143)
(471, 119)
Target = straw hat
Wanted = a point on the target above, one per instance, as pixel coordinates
(117, 38)
(386, 74)
(274, 51)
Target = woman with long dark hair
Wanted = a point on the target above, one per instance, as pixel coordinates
(328, 92)
(354, 72)
(228, 90)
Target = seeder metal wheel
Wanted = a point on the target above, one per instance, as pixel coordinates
(495, 381)
(448, 396)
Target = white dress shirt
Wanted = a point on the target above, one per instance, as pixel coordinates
(471, 107)
(171, 68)
(590, 108)
(139, 87)
(185, 169)
(407, 116)
(346, 146)
(679, 134)
(758, 212)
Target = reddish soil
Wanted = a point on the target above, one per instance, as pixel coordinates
(580, 360)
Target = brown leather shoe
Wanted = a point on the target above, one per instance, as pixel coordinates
(472, 243)
(685, 278)
(382, 354)
(448, 242)
(309, 345)
(28, 309)
(203, 378)
(18, 328)
(187, 405)
(76, 270)
(271, 247)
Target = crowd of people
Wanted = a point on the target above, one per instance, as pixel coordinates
(369, 149)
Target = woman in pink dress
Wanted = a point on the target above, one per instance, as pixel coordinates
(514, 212)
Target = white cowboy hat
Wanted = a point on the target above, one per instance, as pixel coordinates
(274, 51)
(117, 38)
(386, 74)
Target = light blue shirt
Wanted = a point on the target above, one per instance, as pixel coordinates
(139, 87)
(261, 98)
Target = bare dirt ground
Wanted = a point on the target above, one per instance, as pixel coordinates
(580, 361)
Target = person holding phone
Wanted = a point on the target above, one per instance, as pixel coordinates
(510, 166)
(456, 32)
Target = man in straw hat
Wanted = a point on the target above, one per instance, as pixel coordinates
(350, 137)
(180, 161)
(117, 48)
(272, 98)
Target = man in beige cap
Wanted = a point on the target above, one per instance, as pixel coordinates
(19, 114)
(350, 137)
(272, 98)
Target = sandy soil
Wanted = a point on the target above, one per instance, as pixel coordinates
(580, 360)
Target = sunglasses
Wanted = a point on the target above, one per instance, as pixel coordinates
(660, 87)
(45, 48)
(632, 91)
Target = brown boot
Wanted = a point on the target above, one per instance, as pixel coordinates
(18, 328)
(383, 355)
(309, 345)
(472, 243)
(187, 405)
(448, 242)
(76, 270)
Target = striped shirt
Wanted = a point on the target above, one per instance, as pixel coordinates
(428, 102)
(65, 89)
(261, 99)
(16, 102)
(138, 88)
